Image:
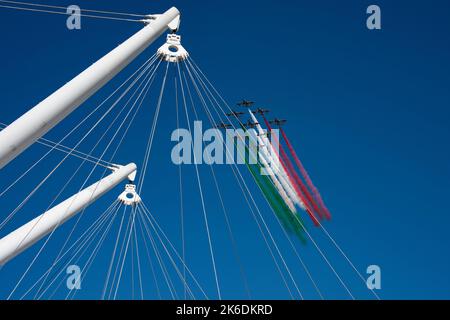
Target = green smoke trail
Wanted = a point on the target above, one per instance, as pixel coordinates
(290, 221)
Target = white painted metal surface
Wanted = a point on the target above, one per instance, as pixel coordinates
(129, 196)
(31, 232)
(173, 26)
(172, 50)
(36, 122)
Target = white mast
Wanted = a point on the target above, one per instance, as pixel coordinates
(37, 121)
(31, 232)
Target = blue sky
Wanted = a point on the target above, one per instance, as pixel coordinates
(367, 112)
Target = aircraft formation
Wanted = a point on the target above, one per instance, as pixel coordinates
(287, 185)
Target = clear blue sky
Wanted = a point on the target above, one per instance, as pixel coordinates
(367, 111)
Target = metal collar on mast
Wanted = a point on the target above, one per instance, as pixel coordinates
(174, 25)
(172, 50)
(129, 196)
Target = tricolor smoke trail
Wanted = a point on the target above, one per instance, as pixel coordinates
(305, 175)
(282, 187)
(290, 221)
(271, 165)
(298, 183)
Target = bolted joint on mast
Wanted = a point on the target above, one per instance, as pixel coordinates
(172, 50)
(174, 25)
(129, 196)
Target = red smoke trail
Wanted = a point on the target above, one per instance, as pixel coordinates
(306, 176)
(291, 173)
(299, 183)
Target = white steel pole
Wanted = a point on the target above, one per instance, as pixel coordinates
(23, 132)
(31, 232)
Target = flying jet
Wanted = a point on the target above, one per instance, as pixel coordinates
(278, 122)
(235, 114)
(245, 103)
(260, 111)
(250, 124)
(223, 125)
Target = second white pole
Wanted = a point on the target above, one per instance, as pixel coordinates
(20, 239)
